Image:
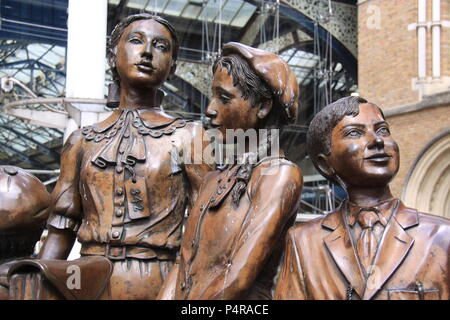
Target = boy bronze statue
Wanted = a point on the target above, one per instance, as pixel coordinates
(230, 248)
(373, 246)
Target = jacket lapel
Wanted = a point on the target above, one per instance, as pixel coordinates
(341, 249)
(394, 246)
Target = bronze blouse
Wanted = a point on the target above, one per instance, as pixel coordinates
(125, 183)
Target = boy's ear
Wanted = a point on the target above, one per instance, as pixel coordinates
(264, 108)
(322, 164)
(173, 67)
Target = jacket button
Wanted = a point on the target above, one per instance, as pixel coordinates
(119, 213)
(119, 191)
(116, 234)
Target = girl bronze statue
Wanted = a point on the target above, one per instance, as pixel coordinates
(124, 186)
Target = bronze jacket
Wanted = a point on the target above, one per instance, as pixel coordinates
(232, 252)
(412, 261)
(125, 182)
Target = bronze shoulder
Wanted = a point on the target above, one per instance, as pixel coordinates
(279, 170)
(303, 232)
(74, 141)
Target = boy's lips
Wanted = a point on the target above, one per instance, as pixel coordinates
(378, 157)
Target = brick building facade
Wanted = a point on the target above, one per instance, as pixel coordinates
(404, 67)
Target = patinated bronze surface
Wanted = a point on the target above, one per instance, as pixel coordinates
(56, 279)
(125, 182)
(24, 204)
(231, 245)
(373, 246)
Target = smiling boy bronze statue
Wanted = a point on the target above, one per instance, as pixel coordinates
(373, 246)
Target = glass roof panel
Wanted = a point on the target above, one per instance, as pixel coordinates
(229, 10)
(191, 11)
(235, 12)
(242, 17)
(39, 138)
(310, 63)
(286, 55)
(156, 6)
(137, 4)
(175, 7)
(294, 60)
(209, 12)
(302, 63)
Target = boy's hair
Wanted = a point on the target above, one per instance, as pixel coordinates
(244, 78)
(250, 84)
(318, 139)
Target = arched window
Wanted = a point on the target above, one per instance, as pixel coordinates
(427, 187)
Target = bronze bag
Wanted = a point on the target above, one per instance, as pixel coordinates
(82, 279)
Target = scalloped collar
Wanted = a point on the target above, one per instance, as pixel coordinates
(151, 117)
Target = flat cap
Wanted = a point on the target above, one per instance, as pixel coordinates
(274, 71)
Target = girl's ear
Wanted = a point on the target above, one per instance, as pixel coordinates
(173, 67)
(111, 55)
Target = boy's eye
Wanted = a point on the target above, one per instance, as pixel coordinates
(353, 133)
(384, 131)
(161, 46)
(224, 99)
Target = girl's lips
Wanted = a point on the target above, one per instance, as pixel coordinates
(145, 67)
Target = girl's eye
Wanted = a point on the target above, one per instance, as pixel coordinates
(135, 41)
(160, 45)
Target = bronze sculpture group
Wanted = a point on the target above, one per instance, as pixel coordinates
(126, 182)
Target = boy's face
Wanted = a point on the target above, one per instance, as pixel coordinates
(363, 152)
(227, 109)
